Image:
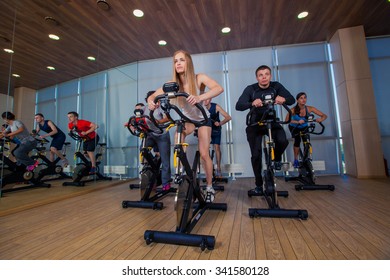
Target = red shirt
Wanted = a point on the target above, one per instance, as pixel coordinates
(82, 125)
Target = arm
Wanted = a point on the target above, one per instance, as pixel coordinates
(151, 105)
(283, 95)
(92, 128)
(16, 132)
(245, 100)
(318, 113)
(226, 116)
(37, 129)
(53, 128)
(203, 81)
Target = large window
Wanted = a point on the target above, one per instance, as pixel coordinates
(379, 55)
(304, 68)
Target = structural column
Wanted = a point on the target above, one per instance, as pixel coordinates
(355, 95)
(24, 106)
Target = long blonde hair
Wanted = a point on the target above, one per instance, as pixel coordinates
(189, 73)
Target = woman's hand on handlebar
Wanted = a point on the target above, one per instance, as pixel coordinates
(151, 105)
(192, 99)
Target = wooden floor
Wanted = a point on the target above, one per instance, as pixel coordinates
(353, 222)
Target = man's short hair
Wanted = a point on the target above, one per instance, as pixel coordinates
(262, 67)
(74, 114)
(8, 116)
(39, 114)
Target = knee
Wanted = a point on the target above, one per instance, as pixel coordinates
(16, 153)
(204, 156)
(284, 145)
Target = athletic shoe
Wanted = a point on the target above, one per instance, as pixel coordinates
(65, 163)
(33, 166)
(258, 190)
(296, 163)
(92, 171)
(166, 187)
(209, 194)
(278, 165)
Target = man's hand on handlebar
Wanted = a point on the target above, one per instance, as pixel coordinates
(257, 103)
(279, 100)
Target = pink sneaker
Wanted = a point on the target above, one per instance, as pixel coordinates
(166, 187)
(32, 167)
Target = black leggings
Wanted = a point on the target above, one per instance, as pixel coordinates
(254, 135)
(295, 133)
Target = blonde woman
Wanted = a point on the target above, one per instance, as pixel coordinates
(189, 82)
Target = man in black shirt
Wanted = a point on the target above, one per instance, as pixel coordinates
(251, 97)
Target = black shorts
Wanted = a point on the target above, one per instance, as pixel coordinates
(90, 146)
(209, 123)
(216, 137)
(58, 142)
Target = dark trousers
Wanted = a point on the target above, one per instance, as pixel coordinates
(254, 135)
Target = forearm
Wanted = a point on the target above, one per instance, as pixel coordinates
(211, 93)
(92, 129)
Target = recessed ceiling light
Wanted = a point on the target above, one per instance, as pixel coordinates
(16, 75)
(52, 21)
(54, 37)
(138, 13)
(162, 42)
(8, 51)
(226, 29)
(303, 15)
(91, 58)
(51, 68)
(102, 4)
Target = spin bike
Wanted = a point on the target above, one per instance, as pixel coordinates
(269, 190)
(11, 173)
(188, 213)
(84, 166)
(306, 176)
(47, 167)
(151, 171)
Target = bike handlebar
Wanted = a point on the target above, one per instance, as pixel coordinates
(270, 109)
(140, 126)
(72, 133)
(310, 128)
(167, 106)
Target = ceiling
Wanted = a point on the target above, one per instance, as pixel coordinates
(115, 37)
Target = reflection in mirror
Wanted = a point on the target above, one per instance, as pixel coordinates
(7, 34)
(24, 28)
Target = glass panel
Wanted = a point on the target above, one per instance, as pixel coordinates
(304, 68)
(241, 66)
(379, 55)
(122, 97)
